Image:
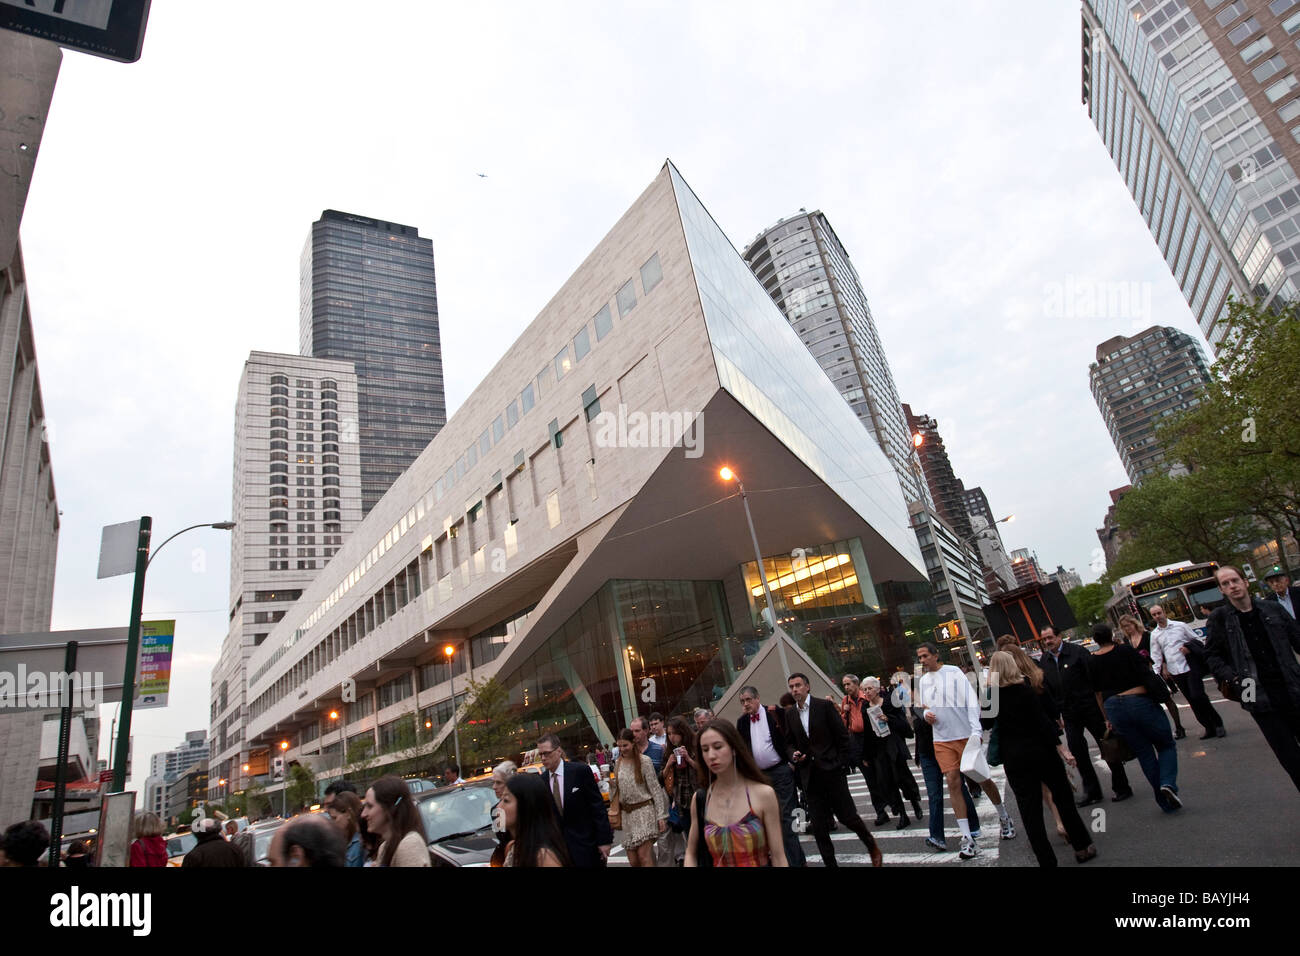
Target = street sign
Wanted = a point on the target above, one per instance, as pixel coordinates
(113, 29)
(117, 543)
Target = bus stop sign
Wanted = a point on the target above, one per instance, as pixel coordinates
(113, 29)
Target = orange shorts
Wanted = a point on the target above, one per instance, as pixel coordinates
(947, 753)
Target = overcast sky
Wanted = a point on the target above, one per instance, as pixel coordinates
(946, 143)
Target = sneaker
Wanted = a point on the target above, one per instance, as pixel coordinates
(934, 844)
(975, 834)
(1172, 802)
(968, 849)
(1008, 829)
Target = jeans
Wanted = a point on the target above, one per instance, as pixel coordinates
(1144, 727)
(934, 794)
(781, 777)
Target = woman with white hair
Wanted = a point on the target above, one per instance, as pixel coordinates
(501, 773)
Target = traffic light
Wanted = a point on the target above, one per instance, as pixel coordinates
(954, 629)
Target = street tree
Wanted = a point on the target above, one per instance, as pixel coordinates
(1088, 604)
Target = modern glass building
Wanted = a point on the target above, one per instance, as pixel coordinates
(368, 297)
(1138, 380)
(806, 270)
(568, 532)
(1198, 103)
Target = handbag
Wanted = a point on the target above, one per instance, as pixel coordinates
(615, 809)
(1114, 749)
(973, 762)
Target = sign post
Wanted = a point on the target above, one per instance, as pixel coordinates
(122, 753)
(113, 29)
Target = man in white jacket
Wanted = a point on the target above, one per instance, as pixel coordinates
(952, 708)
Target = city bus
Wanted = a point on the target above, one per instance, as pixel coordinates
(1187, 592)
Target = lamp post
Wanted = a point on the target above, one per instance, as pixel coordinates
(449, 651)
(142, 561)
(778, 634)
(284, 780)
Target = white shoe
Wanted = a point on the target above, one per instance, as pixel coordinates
(1008, 829)
(968, 848)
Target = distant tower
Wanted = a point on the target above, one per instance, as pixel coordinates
(368, 297)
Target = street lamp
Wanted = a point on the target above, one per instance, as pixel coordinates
(778, 634)
(449, 651)
(284, 779)
(142, 561)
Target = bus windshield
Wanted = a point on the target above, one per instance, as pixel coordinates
(1172, 600)
(1205, 598)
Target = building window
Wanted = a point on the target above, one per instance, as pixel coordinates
(590, 403)
(604, 322)
(499, 428)
(581, 345)
(562, 363)
(526, 399)
(553, 509)
(651, 275)
(553, 428)
(626, 299)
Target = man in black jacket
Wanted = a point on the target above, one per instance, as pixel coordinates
(1067, 681)
(819, 746)
(211, 849)
(1251, 647)
(583, 816)
(763, 734)
(1283, 593)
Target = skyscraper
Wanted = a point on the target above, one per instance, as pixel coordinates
(945, 487)
(368, 297)
(296, 495)
(1138, 380)
(806, 270)
(1198, 105)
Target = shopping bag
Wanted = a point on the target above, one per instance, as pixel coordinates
(973, 762)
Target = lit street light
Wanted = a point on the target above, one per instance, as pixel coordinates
(284, 779)
(449, 651)
(778, 634)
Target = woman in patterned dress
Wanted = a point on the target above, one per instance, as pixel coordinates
(642, 802)
(741, 823)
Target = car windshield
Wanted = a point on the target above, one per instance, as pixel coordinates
(178, 845)
(262, 842)
(462, 810)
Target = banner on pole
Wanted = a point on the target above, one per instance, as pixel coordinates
(155, 670)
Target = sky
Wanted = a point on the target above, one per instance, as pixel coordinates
(946, 143)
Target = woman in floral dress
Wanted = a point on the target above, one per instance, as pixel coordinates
(642, 802)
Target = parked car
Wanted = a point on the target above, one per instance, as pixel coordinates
(421, 785)
(458, 822)
(178, 844)
(262, 833)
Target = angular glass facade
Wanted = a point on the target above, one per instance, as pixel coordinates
(764, 364)
(368, 296)
(1210, 181)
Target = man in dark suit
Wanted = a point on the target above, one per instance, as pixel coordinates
(1283, 592)
(764, 735)
(819, 744)
(1066, 679)
(583, 816)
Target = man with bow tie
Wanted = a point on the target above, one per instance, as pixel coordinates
(762, 734)
(578, 802)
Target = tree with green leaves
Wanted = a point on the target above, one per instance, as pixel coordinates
(302, 786)
(1088, 604)
(487, 734)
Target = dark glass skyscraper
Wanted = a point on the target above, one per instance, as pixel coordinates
(368, 296)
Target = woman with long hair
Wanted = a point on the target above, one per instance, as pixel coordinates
(148, 848)
(642, 802)
(345, 814)
(1032, 753)
(390, 814)
(1119, 676)
(529, 813)
(682, 772)
(1033, 674)
(1139, 639)
(737, 821)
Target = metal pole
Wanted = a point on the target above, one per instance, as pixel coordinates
(61, 772)
(132, 652)
(455, 729)
(777, 634)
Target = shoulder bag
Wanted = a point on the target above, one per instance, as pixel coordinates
(615, 809)
(702, 855)
(1114, 749)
